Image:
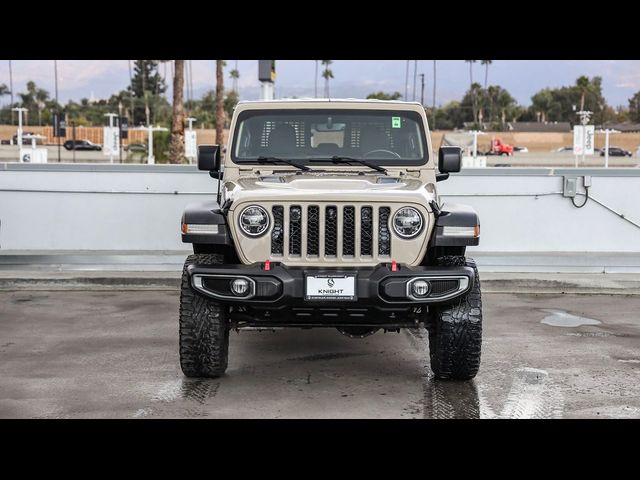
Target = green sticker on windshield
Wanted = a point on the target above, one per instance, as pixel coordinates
(395, 122)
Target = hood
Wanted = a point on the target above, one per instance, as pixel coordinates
(328, 187)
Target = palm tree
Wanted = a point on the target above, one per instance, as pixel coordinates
(583, 86)
(219, 102)
(473, 91)
(234, 75)
(4, 90)
(327, 74)
(176, 148)
(486, 64)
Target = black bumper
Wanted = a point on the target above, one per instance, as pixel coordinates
(284, 287)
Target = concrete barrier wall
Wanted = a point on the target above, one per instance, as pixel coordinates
(138, 207)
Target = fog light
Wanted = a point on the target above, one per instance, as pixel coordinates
(240, 287)
(420, 288)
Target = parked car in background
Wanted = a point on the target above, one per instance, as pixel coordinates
(26, 138)
(81, 145)
(563, 150)
(136, 147)
(616, 152)
(521, 149)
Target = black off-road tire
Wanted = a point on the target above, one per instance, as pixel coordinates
(204, 327)
(455, 333)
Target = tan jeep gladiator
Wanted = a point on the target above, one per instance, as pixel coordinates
(327, 215)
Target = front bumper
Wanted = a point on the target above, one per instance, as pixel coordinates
(284, 287)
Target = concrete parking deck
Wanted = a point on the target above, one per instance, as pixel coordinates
(113, 354)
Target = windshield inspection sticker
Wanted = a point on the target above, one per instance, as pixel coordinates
(395, 122)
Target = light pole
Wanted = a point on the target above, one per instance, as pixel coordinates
(434, 94)
(415, 75)
(55, 69)
(606, 132)
(11, 88)
(406, 83)
(422, 89)
(111, 136)
(316, 81)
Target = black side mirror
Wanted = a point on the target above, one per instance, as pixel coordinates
(449, 159)
(209, 158)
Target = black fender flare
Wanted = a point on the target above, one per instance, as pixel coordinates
(208, 213)
(455, 215)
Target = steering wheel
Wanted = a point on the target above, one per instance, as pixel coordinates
(380, 150)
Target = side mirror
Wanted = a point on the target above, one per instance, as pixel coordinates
(449, 159)
(209, 158)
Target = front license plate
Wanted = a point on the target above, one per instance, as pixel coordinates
(331, 287)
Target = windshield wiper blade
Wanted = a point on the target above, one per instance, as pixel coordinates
(350, 160)
(276, 160)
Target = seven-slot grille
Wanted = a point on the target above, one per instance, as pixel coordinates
(330, 231)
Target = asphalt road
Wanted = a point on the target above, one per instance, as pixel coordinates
(114, 355)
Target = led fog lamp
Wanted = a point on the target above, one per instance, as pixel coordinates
(407, 222)
(240, 287)
(420, 288)
(254, 220)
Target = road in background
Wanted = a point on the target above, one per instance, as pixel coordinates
(114, 354)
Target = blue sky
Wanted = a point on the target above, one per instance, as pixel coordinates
(353, 78)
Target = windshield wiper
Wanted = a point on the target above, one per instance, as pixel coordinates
(276, 160)
(349, 161)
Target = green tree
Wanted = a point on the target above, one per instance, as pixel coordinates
(474, 91)
(230, 102)
(634, 108)
(385, 96)
(147, 85)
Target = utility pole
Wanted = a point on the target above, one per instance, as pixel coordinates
(415, 74)
(316, 81)
(11, 89)
(55, 68)
(406, 83)
(434, 94)
(422, 89)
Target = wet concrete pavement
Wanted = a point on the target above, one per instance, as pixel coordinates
(114, 355)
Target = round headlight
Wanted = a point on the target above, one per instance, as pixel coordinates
(254, 220)
(407, 222)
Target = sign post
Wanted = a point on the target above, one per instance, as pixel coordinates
(111, 137)
(190, 140)
(583, 137)
(59, 128)
(19, 110)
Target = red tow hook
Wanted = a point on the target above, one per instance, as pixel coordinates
(267, 265)
(394, 266)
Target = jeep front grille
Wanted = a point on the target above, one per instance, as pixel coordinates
(331, 232)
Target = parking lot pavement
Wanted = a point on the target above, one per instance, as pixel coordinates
(113, 354)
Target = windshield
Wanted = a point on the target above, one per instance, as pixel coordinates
(381, 137)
